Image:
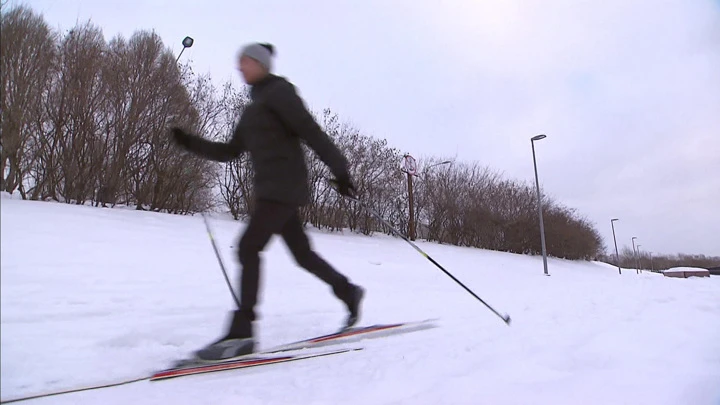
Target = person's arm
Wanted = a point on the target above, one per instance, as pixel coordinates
(217, 151)
(285, 102)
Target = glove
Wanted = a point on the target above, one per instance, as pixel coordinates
(181, 137)
(344, 186)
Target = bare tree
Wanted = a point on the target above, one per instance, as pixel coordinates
(68, 147)
(373, 166)
(145, 95)
(324, 209)
(26, 58)
(183, 183)
(235, 177)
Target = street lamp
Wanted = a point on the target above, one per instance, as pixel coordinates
(652, 267)
(425, 170)
(438, 164)
(635, 254)
(617, 255)
(639, 259)
(537, 184)
(187, 42)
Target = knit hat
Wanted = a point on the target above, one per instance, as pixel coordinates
(261, 52)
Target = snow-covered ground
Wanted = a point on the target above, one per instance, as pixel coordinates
(94, 296)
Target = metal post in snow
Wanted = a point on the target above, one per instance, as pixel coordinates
(617, 255)
(637, 270)
(537, 184)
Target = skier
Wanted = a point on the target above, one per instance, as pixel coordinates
(271, 129)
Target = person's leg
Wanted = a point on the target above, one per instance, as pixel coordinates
(268, 219)
(299, 245)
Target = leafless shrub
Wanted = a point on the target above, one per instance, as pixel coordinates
(234, 179)
(69, 150)
(26, 58)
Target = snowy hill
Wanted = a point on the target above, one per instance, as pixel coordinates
(93, 296)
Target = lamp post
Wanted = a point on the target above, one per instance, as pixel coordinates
(639, 259)
(652, 267)
(617, 255)
(635, 254)
(187, 42)
(537, 184)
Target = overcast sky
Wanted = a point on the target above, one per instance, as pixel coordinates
(628, 92)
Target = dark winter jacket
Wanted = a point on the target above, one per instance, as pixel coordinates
(271, 129)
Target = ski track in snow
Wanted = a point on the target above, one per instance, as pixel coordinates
(93, 296)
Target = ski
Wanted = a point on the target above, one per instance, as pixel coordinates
(272, 356)
(245, 362)
(354, 334)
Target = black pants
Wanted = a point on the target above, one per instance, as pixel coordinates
(268, 219)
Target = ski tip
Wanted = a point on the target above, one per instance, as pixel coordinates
(506, 318)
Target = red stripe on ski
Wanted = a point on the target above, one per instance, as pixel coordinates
(218, 367)
(339, 336)
(237, 364)
(352, 333)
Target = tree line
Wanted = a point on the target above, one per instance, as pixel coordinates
(655, 262)
(85, 121)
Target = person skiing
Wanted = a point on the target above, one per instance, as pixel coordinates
(272, 128)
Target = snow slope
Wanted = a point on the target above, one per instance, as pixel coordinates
(93, 296)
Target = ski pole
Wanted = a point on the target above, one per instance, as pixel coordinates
(505, 318)
(217, 254)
